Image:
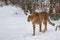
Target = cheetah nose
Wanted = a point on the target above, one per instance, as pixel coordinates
(28, 20)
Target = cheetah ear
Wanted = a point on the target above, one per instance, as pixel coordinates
(29, 15)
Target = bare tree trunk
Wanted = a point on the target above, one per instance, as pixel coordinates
(6, 2)
(50, 9)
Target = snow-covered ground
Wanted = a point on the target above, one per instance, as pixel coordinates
(16, 27)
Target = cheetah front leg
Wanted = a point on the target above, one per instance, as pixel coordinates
(33, 30)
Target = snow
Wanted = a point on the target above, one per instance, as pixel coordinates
(16, 27)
